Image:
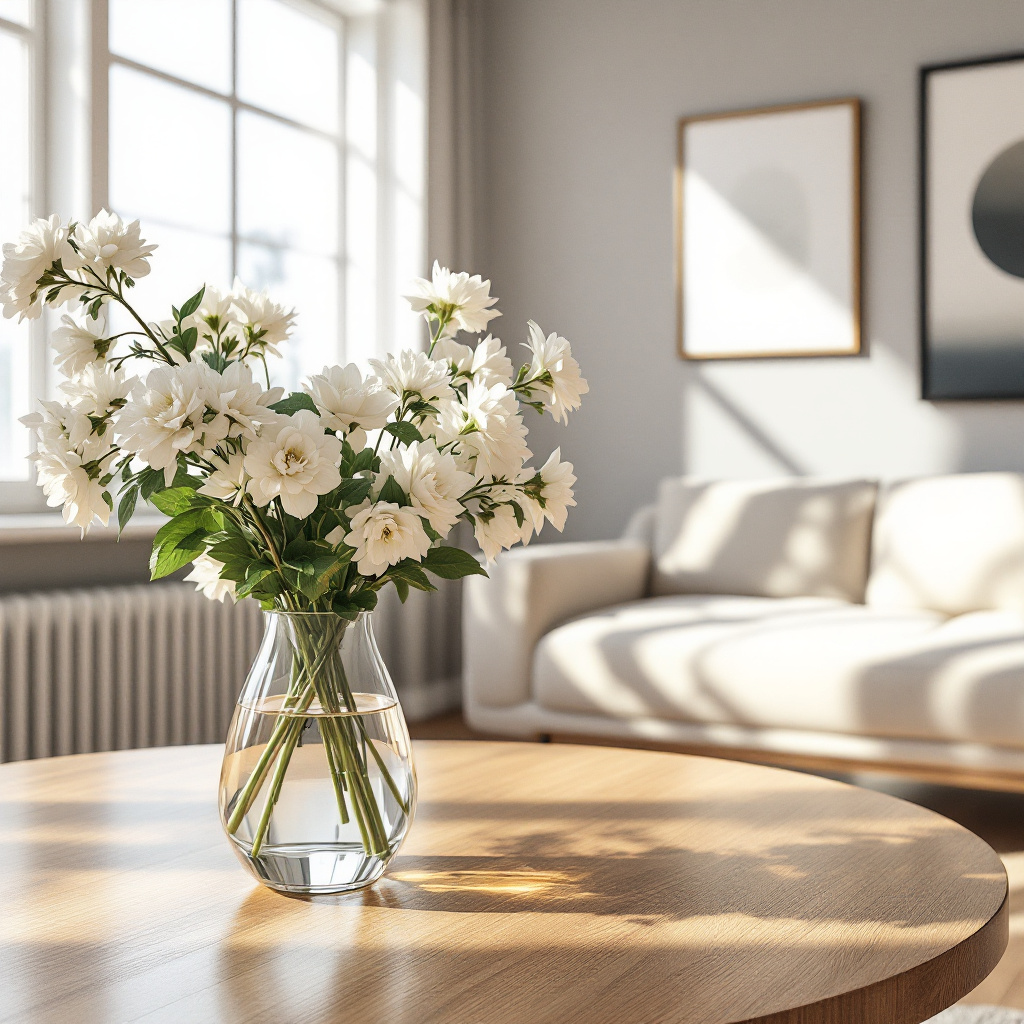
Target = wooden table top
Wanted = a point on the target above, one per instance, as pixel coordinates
(540, 883)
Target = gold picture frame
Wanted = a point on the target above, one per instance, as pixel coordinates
(813, 259)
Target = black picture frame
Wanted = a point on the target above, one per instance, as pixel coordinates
(938, 381)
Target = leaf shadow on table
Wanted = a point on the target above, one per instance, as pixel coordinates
(797, 854)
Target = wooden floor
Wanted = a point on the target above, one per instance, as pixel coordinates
(997, 817)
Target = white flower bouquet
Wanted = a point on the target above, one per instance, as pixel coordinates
(311, 501)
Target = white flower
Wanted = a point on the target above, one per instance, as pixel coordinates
(228, 481)
(99, 390)
(65, 427)
(65, 445)
(268, 323)
(295, 460)
(501, 530)
(463, 299)
(383, 534)
(108, 241)
(239, 402)
(459, 356)
(350, 403)
(206, 576)
(431, 479)
(486, 364)
(556, 373)
(488, 431)
(414, 373)
(166, 416)
(216, 311)
(556, 479)
(65, 482)
(76, 346)
(25, 261)
(490, 363)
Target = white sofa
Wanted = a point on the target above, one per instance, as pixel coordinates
(806, 621)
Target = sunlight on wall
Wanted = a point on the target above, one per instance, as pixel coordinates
(844, 417)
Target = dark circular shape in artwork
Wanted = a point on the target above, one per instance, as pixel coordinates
(997, 213)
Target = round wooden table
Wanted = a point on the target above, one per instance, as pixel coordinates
(540, 883)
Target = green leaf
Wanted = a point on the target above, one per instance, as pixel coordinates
(365, 599)
(179, 540)
(422, 408)
(150, 481)
(299, 549)
(234, 568)
(175, 500)
(252, 581)
(391, 492)
(171, 558)
(328, 566)
(405, 431)
(452, 563)
(363, 461)
(403, 590)
(411, 573)
(294, 402)
(215, 360)
(352, 492)
(126, 506)
(192, 304)
(230, 547)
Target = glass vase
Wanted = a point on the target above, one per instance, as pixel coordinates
(318, 788)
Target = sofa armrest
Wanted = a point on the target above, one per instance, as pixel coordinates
(531, 590)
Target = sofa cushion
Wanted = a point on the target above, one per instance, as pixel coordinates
(950, 543)
(795, 664)
(763, 538)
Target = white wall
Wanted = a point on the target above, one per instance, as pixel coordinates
(581, 103)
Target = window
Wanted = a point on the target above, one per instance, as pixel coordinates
(227, 144)
(281, 141)
(17, 372)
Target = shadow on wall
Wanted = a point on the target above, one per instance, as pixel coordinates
(785, 460)
(885, 431)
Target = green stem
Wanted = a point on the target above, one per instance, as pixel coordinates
(343, 734)
(276, 782)
(336, 776)
(255, 780)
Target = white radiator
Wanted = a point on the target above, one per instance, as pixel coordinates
(108, 669)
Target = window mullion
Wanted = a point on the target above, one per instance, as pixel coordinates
(234, 139)
(37, 154)
(342, 250)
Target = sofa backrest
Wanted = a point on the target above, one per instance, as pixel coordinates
(951, 544)
(763, 538)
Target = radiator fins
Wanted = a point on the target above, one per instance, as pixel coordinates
(108, 669)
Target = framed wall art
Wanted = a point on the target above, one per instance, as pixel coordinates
(972, 229)
(768, 232)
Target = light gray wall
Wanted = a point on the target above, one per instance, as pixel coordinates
(580, 108)
(67, 562)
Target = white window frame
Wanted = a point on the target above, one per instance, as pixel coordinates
(70, 172)
(23, 494)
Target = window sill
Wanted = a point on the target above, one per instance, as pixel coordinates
(49, 527)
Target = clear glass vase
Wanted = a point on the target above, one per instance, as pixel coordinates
(318, 788)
